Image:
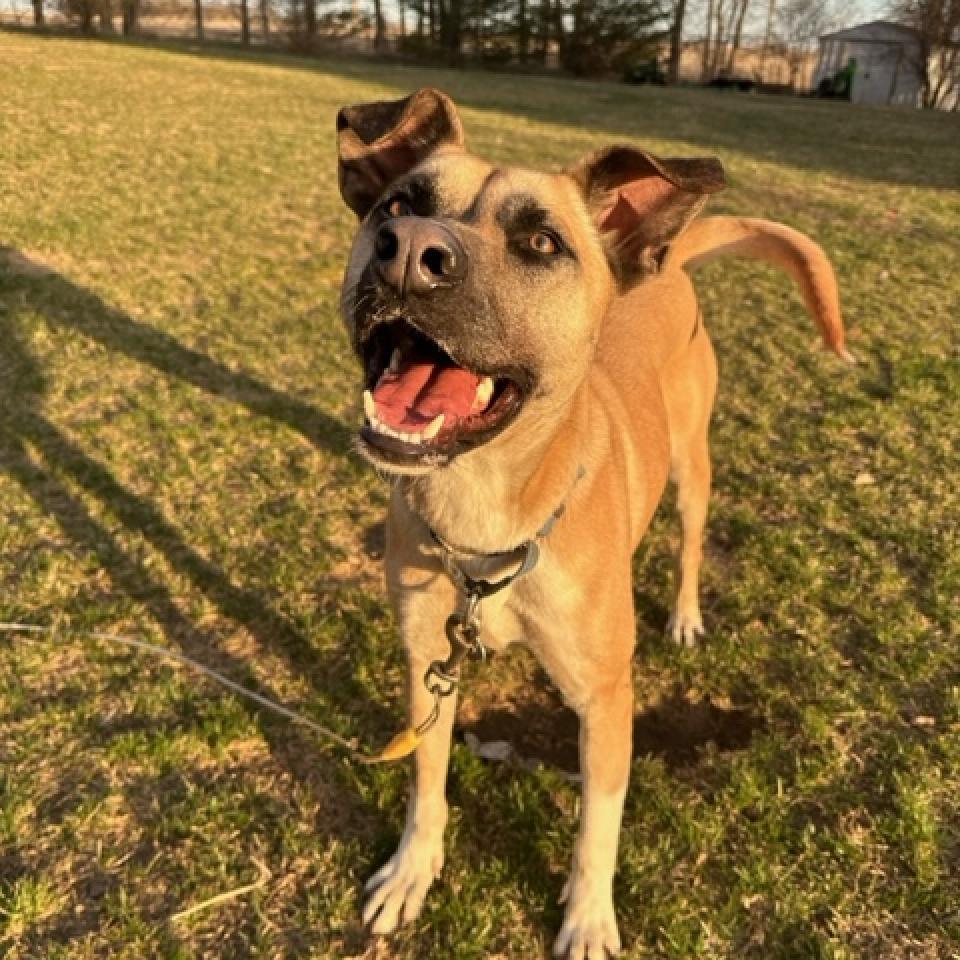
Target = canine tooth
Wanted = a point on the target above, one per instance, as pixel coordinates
(394, 361)
(484, 393)
(369, 406)
(433, 427)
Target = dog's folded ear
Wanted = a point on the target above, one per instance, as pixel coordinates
(378, 142)
(640, 202)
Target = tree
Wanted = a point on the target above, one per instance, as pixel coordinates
(198, 17)
(130, 22)
(676, 39)
(608, 35)
(799, 23)
(937, 57)
(38, 20)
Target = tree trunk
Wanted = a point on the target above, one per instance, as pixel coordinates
(705, 64)
(718, 37)
(558, 31)
(105, 13)
(38, 13)
(265, 19)
(523, 36)
(245, 22)
(131, 17)
(379, 28)
(737, 34)
(766, 42)
(543, 31)
(453, 31)
(198, 17)
(676, 39)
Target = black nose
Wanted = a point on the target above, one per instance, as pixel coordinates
(417, 255)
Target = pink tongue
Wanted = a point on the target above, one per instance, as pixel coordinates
(410, 398)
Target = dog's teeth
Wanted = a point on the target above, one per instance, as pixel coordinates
(433, 427)
(369, 406)
(484, 393)
(415, 437)
(394, 361)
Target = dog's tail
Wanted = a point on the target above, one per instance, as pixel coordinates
(792, 251)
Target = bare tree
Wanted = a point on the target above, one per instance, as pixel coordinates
(198, 17)
(130, 21)
(676, 39)
(739, 12)
(937, 57)
(38, 20)
(245, 22)
(380, 27)
(799, 23)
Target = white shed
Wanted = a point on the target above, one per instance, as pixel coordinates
(888, 63)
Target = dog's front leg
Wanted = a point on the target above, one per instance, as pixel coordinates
(397, 890)
(590, 926)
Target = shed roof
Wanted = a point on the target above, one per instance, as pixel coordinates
(877, 31)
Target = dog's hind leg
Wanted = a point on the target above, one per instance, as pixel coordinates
(688, 392)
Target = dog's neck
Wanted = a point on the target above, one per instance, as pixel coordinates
(500, 495)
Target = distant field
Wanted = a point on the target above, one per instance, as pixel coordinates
(176, 408)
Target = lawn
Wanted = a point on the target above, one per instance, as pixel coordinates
(177, 401)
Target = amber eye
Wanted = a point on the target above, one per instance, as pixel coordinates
(398, 207)
(544, 243)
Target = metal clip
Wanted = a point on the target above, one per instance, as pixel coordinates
(440, 679)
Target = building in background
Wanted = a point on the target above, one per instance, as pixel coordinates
(888, 64)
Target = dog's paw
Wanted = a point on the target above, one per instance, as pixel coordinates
(589, 930)
(395, 893)
(685, 628)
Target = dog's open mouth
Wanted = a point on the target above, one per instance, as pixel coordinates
(420, 404)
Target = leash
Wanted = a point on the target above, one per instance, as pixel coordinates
(463, 626)
(165, 653)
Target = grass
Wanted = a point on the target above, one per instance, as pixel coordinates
(176, 406)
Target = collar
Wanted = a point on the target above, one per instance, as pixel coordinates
(526, 554)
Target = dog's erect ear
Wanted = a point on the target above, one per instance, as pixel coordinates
(640, 202)
(378, 142)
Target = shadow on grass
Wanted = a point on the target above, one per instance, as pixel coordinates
(48, 466)
(676, 729)
(877, 144)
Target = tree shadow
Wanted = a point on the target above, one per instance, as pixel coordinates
(892, 145)
(50, 468)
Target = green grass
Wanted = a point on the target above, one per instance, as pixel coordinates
(176, 407)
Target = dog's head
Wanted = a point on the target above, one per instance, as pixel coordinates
(474, 294)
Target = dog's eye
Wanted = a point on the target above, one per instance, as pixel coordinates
(544, 243)
(398, 207)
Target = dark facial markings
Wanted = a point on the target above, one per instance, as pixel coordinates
(414, 197)
(532, 234)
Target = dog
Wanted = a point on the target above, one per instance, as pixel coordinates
(535, 368)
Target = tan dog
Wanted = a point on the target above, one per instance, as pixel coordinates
(531, 346)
